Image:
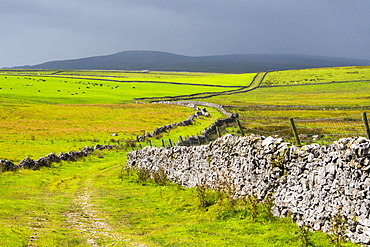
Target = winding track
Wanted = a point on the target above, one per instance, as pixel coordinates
(257, 80)
(89, 221)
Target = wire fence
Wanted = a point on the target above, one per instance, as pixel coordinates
(295, 130)
(307, 131)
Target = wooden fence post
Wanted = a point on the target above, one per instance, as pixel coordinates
(218, 131)
(294, 129)
(199, 142)
(182, 141)
(170, 142)
(366, 124)
(240, 127)
(207, 137)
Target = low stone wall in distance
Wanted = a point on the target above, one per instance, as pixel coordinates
(47, 160)
(313, 184)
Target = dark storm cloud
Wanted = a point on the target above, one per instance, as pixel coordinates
(34, 31)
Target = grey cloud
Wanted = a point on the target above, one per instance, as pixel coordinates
(42, 30)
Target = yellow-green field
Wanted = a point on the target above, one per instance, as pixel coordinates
(37, 129)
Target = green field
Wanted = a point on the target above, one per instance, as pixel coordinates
(320, 75)
(58, 111)
(52, 90)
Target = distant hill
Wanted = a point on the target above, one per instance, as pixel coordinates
(163, 61)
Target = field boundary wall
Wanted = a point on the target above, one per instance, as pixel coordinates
(313, 184)
(47, 160)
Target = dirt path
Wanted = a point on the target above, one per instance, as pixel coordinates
(92, 223)
(89, 221)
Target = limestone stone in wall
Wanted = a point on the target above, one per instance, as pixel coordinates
(328, 182)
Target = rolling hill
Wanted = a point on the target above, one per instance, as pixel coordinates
(163, 61)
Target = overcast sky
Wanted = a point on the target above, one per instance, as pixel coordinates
(36, 31)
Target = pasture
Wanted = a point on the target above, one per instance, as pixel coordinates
(52, 90)
(320, 75)
(58, 111)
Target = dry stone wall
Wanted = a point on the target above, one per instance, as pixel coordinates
(200, 112)
(312, 184)
(189, 121)
(46, 161)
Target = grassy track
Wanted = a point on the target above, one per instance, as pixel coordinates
(53, 207)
